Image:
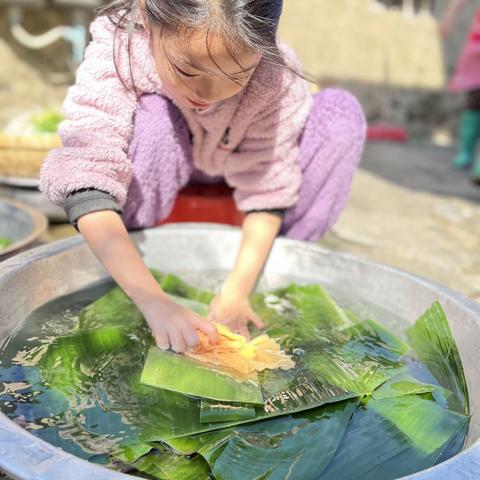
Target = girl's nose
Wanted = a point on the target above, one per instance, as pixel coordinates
(208, 91)
(204, 95)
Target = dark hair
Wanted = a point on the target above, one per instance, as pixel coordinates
(250, 24)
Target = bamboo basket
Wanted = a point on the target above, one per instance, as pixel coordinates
(22, 155)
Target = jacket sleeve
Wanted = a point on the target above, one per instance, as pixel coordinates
(96, 131)
(264, 170)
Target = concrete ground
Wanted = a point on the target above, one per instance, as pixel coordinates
(410, 210)
(420, 166)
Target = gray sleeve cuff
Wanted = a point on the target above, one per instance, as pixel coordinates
(78, 204)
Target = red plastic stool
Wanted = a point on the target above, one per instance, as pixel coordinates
(387, 132)
(205, 203)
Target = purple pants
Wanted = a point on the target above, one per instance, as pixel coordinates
(330, 149)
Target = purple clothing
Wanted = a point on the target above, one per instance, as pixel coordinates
(251, 138)
(330, 148)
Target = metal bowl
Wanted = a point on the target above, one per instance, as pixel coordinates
(20, 223)
(26, 190)
(200, 251)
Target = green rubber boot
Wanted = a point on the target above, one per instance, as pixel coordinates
(469, 133)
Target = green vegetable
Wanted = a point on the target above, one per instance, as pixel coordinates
(47, 121)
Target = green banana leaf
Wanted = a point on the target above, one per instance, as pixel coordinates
(402, 384)
(396, 424)
(159, 414)
(176, 286)
(412, 461)
(384, 433)
(169, 466)
(131, 453)
(427, 425)
(298, 446)
(435, 346)
(114, 309)
(315, 305)
(73, 358)
(213, 412)
(368, 339)
(341, 362)
(319, 378)
(292, 310)
(184, 375)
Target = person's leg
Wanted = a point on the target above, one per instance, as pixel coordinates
(160, 151)
(469, 131)
(330, 150)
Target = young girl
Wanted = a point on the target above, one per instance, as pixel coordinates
(172, 91)
(466, 79)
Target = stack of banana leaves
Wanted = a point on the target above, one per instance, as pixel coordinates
(359, 403)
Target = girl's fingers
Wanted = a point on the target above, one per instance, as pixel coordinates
(243, 330)
(191, 338)
(161, 339)
(256, 320)
(176, 340)
(209, 329)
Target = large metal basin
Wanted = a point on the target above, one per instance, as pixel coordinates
(33, 278)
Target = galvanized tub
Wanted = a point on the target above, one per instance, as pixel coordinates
(21, 223)
(201, 251)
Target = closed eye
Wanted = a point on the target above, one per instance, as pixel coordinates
(182, 73)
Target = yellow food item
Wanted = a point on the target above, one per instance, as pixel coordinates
(235, 352)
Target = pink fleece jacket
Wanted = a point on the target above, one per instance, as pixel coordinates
(264, 123)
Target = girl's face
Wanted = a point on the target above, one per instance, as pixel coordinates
(196, 74)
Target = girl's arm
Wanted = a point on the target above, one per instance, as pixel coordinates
(95, 134)
(98, 124)
(265, 172)
(232, 305)
(172, 326)
(450, 15)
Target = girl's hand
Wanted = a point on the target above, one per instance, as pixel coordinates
(235, 312)
(174, 326)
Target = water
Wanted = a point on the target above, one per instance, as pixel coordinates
(28, 400)
(96, 419)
